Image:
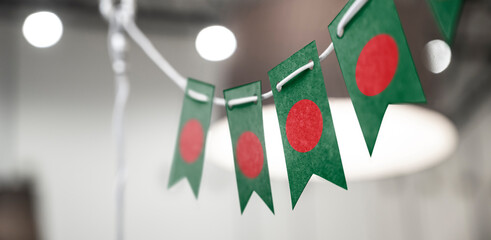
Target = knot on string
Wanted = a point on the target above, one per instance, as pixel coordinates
(122, 14)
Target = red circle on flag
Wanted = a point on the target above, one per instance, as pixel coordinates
(191, 141)
(304, 125)
(377, 64)
(250, 154)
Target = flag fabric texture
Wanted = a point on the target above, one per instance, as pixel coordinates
(307, 131)
(376, 64)
(247, 133)
(191, 140)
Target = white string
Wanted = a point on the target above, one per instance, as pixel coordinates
(219, 101)
(149, 49)
(106, 9)
(350, 13)
(238, 101)
(122, 92)
(146, 45)
(117, 46)
(326, 52)
(269, 94)
(137, 35)
(197, 96)
(293, 74)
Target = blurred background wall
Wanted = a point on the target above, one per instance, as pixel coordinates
(56, 146)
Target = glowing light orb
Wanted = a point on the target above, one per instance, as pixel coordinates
(42, 29)
(216, 43)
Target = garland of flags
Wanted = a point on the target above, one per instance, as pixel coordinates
(378, 70)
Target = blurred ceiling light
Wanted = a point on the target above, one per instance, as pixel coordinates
(438, 55)
(215, 43)
(411, 138)
(42, 29)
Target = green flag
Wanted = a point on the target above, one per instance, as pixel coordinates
(376, 64)
(191, 140)
(246, 130)
(304, 116)
(446, 13)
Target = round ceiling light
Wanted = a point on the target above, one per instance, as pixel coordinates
(215, 43)
(411, 138)
(42, 29)
(438, 55)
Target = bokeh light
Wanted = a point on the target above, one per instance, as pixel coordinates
(216, 43)
(437, 55)
(42, 29)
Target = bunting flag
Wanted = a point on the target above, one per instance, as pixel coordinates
(304, 115)
(190, 147)
(246, 131)
(446, 13)
(376, 64)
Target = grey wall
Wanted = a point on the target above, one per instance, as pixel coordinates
(8, 62)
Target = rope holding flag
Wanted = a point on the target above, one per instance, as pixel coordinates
(117, 16)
